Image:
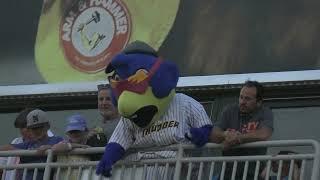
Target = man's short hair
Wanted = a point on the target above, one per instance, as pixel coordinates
(258, 87)
(103, 87)
(21, 119)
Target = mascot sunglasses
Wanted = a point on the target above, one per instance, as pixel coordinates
(137, 83)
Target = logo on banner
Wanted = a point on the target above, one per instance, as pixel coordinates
(93, 33)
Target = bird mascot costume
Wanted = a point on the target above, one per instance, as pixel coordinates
(152, 113)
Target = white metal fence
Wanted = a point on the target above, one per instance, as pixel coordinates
(186, 165)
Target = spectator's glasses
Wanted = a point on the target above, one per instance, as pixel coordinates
(137, 83)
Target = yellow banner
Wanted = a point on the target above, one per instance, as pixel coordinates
(76, 39)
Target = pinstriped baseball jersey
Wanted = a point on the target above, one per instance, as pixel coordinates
(183, 113)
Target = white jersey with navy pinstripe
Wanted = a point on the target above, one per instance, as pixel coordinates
(183, 113)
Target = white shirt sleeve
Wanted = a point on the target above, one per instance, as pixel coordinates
(196, 113)
(17, 140)
(50, 134)
(123, 133)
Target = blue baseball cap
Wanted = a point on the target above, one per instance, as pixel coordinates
(76, 122)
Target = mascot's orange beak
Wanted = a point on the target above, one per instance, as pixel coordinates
(139, 76)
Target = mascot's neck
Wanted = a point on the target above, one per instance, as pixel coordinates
(164, 105)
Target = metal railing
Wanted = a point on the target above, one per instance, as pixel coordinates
(184, 165)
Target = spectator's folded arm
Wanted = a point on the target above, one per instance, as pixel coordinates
(217, 135)
(76, 145)
(7, 147)
(61, 147)
(261, 134)
(42, 149)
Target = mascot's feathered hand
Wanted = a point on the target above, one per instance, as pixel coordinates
(142, 86)
(199, 136)
(113, 153)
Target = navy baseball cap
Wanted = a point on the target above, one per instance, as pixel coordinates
(76, 122)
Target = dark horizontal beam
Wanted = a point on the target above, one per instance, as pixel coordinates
(283, 94)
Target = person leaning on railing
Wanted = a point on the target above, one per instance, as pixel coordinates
(21, 124)
(245, 122)
(38, 124)
(77, 137)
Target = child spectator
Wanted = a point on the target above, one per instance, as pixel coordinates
(38, 124)
(77, 137)
(285, 168)
(21, 124)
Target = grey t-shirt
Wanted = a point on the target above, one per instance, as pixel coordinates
(231, 119)
(109, 126)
